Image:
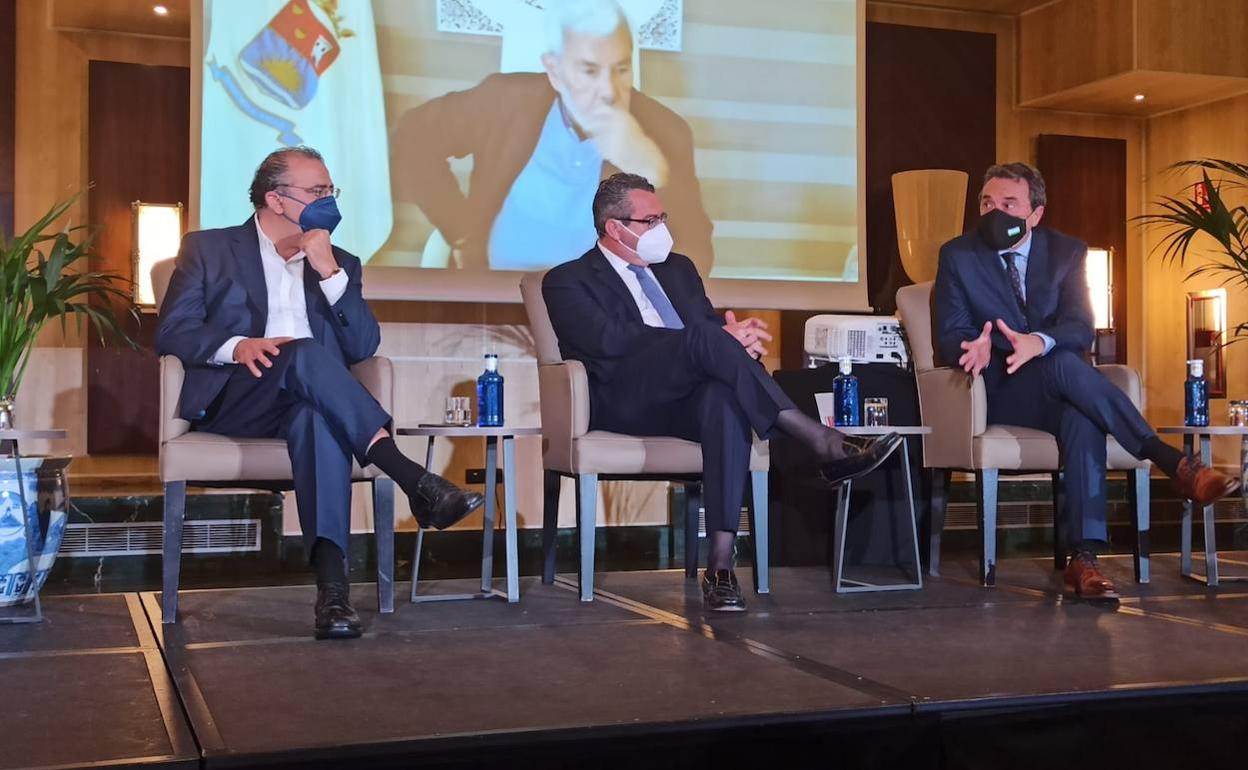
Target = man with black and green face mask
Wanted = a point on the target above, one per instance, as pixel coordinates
(1012, 305)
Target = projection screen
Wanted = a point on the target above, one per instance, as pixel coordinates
(468, 136)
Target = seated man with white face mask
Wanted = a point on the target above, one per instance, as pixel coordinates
(661, 362)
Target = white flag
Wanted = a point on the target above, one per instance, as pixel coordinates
(291, 72)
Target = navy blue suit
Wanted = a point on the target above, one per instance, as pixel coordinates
(1061, 392)
(696, 383)
(308, 397)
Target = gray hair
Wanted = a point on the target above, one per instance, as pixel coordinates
(1016, 171)
(270, 171)
(611, 201)
(596, 18)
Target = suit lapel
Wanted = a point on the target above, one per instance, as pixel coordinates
(994, 269)
(611, 279)
(249, 268)
(1037, 272)
(315, 301)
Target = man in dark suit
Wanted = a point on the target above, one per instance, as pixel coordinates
(1012, 304)
(661, 362)
(266, 317)
(540, 143)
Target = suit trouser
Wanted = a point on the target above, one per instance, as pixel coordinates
(310, 399)
(702, 386)
(1063, 394)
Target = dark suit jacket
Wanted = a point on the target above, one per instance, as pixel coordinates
(972, 288)
(498, 122)
(218, 291)
(598, 322)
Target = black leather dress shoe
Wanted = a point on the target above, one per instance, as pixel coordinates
(438, 503)
(335, 618)
(721, 592)
(860, 458)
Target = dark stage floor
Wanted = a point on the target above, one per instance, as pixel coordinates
(882, 678)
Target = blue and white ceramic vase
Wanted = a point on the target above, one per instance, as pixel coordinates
(41, 523)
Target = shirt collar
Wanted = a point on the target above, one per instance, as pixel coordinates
(267, 248)
(616, 262)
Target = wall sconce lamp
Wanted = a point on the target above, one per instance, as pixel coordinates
(1100, 267)
(157, 234)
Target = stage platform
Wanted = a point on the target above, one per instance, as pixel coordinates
(954, 675)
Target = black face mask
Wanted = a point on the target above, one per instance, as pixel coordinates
(1000, 230)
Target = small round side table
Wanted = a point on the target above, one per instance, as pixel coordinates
(1206, 434)
(493, 436)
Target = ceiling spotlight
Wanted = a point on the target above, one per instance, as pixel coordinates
(1139, 97)
(160, 10)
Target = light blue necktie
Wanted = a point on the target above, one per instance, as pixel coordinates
(650, 287)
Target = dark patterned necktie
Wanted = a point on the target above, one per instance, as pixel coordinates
(1016, 283)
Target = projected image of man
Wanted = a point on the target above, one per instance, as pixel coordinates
(266, 318)
(540, 143)
(662, 362)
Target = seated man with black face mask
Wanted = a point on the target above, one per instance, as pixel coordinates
(266, 317)
(662, 362)
(1011, 303)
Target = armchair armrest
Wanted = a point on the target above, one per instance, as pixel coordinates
(171, 376)
(1127, 380)
(956, 410)
(563, 389)
(376, 374)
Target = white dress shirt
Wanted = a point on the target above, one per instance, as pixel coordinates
(288, 308)
(649, 316)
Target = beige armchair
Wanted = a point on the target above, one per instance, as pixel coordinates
(570, 448)
(210, 460)
(961, 439)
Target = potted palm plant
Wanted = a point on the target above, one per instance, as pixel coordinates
(1181, 218)
(44, 277)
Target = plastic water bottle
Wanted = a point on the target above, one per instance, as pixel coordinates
(1196, 395)
(490, 394)
(845, 393)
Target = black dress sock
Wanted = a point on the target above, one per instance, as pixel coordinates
(329, 561)
(1162, 455)
(385, 455)
(824, 442)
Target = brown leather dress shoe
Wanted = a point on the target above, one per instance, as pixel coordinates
(1201, 484)
(1085, 581)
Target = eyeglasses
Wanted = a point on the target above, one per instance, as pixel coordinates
(649, 222)
(318, 192)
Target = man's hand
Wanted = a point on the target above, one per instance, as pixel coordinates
(1026, 347)
(315, 247)
(750, 332)
(978, 352)
(622, 142)
(255, 350)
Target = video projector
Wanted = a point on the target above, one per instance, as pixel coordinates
(866, 339)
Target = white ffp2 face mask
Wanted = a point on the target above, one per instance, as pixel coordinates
(654, 245)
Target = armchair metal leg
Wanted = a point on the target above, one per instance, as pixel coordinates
(171, 560)
(1059, 518)
(587, 527)
(551, 481)
(693, 508)
(1139, 497)
(758, 531)
(383, 528)
(941, 478)
(986, 501)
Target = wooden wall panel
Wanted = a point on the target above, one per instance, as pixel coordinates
(1054, 57)
(1203, 37)
(137, 144)
(931, 99)
(8, 80)
(1086, 179)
